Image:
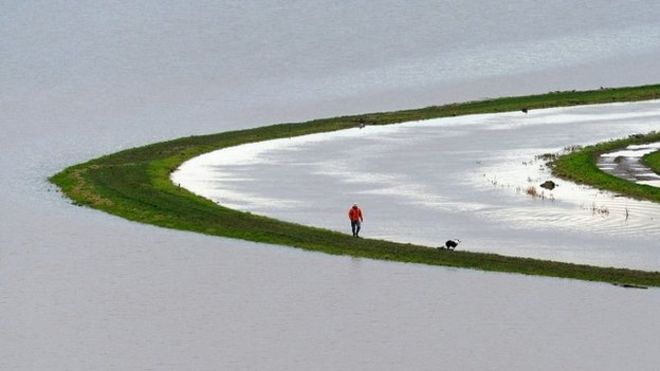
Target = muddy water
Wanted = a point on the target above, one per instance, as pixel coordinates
(627, 164)
(475, 178)
(81, 290)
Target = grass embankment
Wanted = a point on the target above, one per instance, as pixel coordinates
(652, 160)
(135, 184)
(580, 167)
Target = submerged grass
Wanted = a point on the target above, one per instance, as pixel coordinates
(135, 184)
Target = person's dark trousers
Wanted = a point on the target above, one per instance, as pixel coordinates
(355, 227)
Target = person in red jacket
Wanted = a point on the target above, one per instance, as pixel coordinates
(355, 215)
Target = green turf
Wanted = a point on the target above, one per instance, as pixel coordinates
(652, 160)
(135, 184)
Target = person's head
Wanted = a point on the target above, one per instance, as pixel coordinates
(355, 206)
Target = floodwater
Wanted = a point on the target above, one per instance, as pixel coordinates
(83, 290)
(475, 178)
(626, 164)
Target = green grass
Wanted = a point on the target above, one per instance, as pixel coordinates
(652, 160)
(580, 166)
(135, 184)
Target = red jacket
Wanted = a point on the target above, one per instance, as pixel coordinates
(354, 213)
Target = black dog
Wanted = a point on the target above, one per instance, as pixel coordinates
(451, 244)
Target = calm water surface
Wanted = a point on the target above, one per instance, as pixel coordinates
(83, 290)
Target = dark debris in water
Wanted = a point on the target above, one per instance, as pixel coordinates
(630, 286)
(549, 184)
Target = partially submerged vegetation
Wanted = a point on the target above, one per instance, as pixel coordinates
(652, 160)
(135, 184)
(580, 166)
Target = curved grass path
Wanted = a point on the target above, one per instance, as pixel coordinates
(135, 184)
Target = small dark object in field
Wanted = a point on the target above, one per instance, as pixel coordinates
(549, 184)
(362, 125)
(525, 110)
(451, 244)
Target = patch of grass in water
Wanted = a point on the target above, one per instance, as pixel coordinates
(652, 160)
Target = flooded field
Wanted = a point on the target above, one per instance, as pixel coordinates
(82, 290)
(475, 178)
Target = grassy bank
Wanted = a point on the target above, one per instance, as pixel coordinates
(580, 166)
(135, 184)
(652, 160)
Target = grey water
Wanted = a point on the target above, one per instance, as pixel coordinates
(83, 290)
